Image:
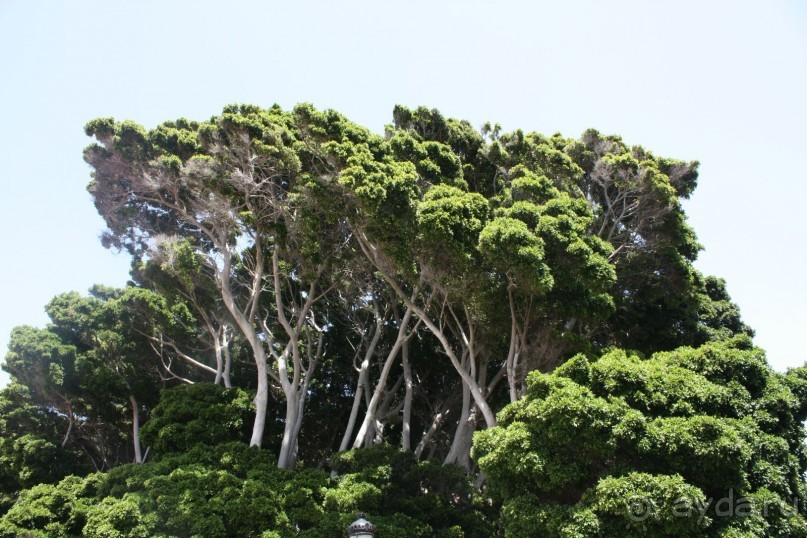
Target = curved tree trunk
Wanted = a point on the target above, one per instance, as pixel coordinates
(71, 419)
(434, 427)
(262, 395)
(362, 380)
(136, 429)
(476, 391)
(370, 415)
(460, 433)
(223, 357)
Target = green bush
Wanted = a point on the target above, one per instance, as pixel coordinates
(201, 413)
(233, 490)
(596, 440)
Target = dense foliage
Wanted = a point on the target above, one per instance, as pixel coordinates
(322, 320)
(705, 441)
(233, 490)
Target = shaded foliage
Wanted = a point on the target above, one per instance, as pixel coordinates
(232, 490)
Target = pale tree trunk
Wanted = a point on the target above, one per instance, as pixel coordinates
(462, 423)
(294, 443)
(464, 456)
(518, 337)
(370, 415)
(261, 396)
(511, 364)
(228, 361)
(245, 323)
(219, 363)
(221, 339)
(370, 252)
(376, 435)
(71, 419)
(136, 429)
(295, 410)
(406, 420)
(460, 453)
(294, 388)
(362, 380)
(354, 411)
(295, 394)
(437, 421)
(298, 426)
(287, 445)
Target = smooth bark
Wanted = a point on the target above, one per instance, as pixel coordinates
(371, 253)
(136, 429)
(361, 382)
(370, 414)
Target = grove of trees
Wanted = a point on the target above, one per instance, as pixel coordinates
(461, 332)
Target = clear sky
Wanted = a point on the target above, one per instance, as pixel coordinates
(723, 82)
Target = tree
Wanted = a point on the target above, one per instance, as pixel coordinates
(233, 188)
(31, 450)
(115, 368)
(176, 291)
(636, 447)
(442, 248)
(46, 365)
(383, 286)
(190, 415)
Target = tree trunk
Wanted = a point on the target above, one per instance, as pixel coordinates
(365, 365)
(223, 357)
(376, 435)
(288, 444)
(245, 325)
(219, 361)
(136, 429)
(354, 411)
(476, 391)
(437, 421)
(512, 353)
(460, 453)
(228, 361)
(406, 420)
(71, 419)
(459, 434)
(369, 416)
(262, 395)
(295, 442)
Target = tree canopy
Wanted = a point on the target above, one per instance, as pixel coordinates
(498, 333)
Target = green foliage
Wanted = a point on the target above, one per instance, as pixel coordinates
(449, 221)
(202, 413)
(232, 490)
(430, 499)
(510, 246)
(597, 439)
(30, 445)
(43, 362)
(541, 251)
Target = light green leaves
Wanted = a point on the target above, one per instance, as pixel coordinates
(509, 246)
(450, 220)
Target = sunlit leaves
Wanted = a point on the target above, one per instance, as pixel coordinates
(596, 434)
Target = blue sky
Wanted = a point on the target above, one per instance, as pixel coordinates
(721, 82)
